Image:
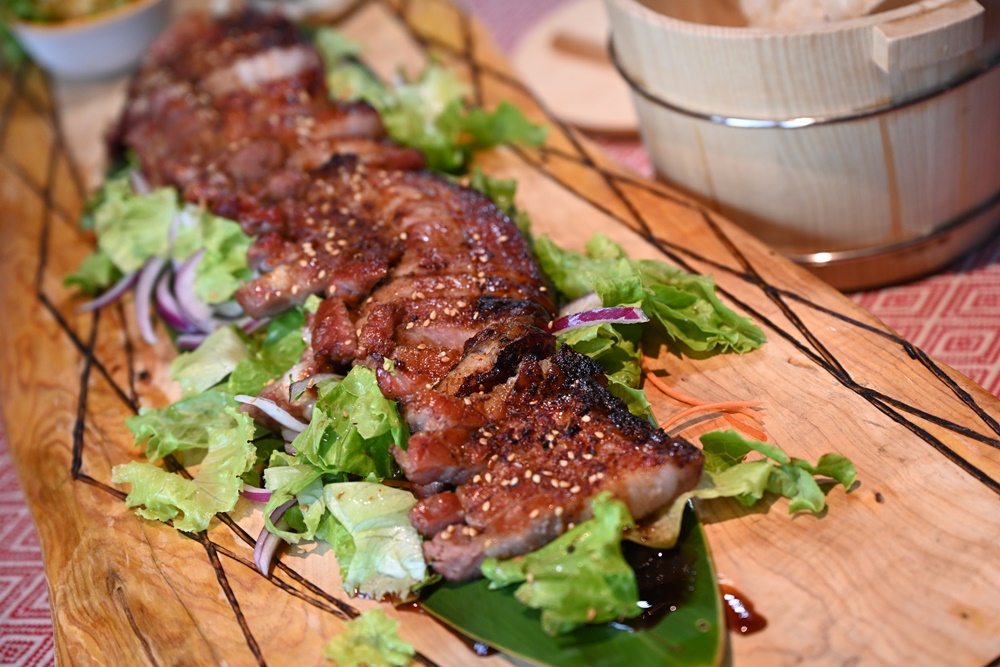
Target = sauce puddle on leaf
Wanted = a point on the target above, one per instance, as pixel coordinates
(666, 578)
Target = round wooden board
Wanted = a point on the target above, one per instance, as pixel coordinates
(900, 571)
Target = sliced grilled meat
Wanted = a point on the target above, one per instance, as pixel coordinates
(511, 438)
(557, 439)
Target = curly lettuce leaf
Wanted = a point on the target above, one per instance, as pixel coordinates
(633, 398)
(685, 305)
(428, 113)
(727, 474)
(370, 640)
(378, 550)
(269, 357)
(132, 228)
(96, 273)
(352, 429)
(211, 362)
(350, 81)
(181, 426)
(223, 267)
(616, 348)
(580, 577)
(190, 503)
(287, 477)
(334, 46)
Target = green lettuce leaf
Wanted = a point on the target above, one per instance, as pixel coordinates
(685, 305)
(286, 477)
(181, 426)
(378, 549)
(370, 640)
(352, 429)
(211, 362)
(351, 81)
(334, 46)
(267, 358)
(635, 399)
(580, 577)
(616, 348)
(728, 475)
(132, 228)
(190, 503)
(96, 273)
(223, 267)
(429, 113)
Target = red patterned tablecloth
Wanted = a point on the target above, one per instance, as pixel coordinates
(954, 316)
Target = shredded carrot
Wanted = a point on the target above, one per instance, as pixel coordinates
(678, 396)
(745, 428)
(670, 391)
(726, 406)
(731, 408)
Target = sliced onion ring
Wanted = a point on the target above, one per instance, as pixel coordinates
(589, 301)
(255, 493)
(144, 295)
(274, 411)
(167, 306)
(195, 311)
(613, 315)
(189, 341)
(138, 182)
(299, 387)
(253, 326)
(268, 542)
(110, 295)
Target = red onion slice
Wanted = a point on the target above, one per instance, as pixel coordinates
(189, 341)
(167, 306)
(255, 493)
(144, 296)
(195, 311)
(138, 182)
(613, 315)
(267, 542)
(589, 301)
(253, 326)
(111, 295)
(299, 387)
(274, 411)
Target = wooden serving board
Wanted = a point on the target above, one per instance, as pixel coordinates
(903, 570)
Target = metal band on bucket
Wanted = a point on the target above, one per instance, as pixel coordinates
(804, 121)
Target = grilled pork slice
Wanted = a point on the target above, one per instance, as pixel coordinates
(555, 439)
(235, 116)
(433, 262)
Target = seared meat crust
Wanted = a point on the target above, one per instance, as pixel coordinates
(527, 475)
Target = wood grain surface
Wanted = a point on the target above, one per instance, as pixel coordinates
(903, 570)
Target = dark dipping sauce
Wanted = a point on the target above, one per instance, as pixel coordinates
(666, 578)
(740, 613)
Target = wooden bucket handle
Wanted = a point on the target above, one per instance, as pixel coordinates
(946, 29)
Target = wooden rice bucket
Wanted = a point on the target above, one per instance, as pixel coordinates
(867, 150)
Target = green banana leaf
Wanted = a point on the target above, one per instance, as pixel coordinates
(693, 635)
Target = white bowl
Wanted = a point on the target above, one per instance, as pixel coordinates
(94, 46)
